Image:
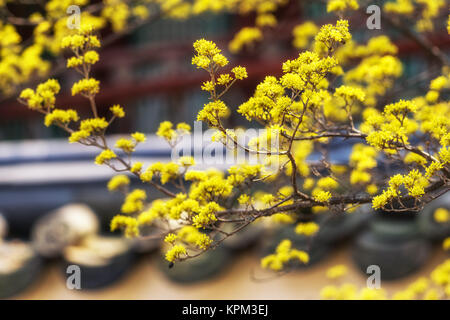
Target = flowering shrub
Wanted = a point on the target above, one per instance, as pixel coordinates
(334, 89)
(434, 287)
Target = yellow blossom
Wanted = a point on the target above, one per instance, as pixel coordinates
(170, 238)
(126, 145)
(118, 182)
(240, 73)
(176, 252)
(117, 111)
(441, 215)
(341, 5)
(134, 201)
(283, 254)
(321, 196)
(136, 167)
(337, 271)
(246, 36)
(307, 228)
(130, 225)
(91, 57)
(105, 156)
(165, 130)
(86, 87)
(59, 116)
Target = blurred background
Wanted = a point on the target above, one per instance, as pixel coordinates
(149, 72)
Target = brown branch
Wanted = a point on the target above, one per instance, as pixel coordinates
(338, 200)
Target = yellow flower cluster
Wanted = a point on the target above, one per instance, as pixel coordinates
(244, 199)
(419, 286)
(403, 7)
(74, 62)
(166, 172)
(350, 94)
(208, 55)
(266, 20)
(175, 253)
(264, 101)
(283, 254)
(282, 218)
(245, 37)
(117, 111)
(134, 201)
(321, 195)
(441, 215)
(129, 145)
(126, 145)
(157, 210)
(193, 236)
(362, 159)
(346, 291)
(448, 24)
(61, 117)
(44, 96)
(87, 87)
(301, 150)
(167, 131)
(307, 228)
(441, 275)
(414, 182)
(117, 182)
(88, 127)
(170, 238)
(390, 130)
(434, 120)
(321, 192)
(437, 85)
(308, 70)
(330, 35)
(422, 288)
(212, 112)
(372, 189)
(172, 209)
(425, 11)
(376, 46)
(206, 215)
(105, 156)
(213, 186)
(412, 157)
(82, 40)
(186, 161)
(375, 73)
(240, 73)
(18, 63)
(337, 271)
(240, 174)
(446, 245)
(90, 57)
(327, 183)
(303, 33)
(129, 224)
(136, 167)
(342, 5)
(118, 12)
